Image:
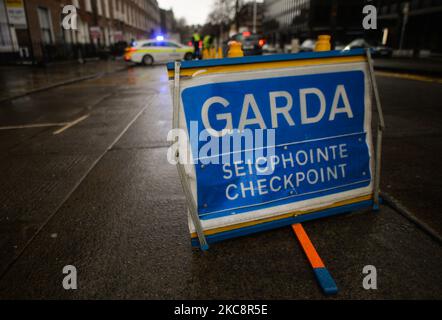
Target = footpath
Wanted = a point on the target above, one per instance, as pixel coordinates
(427, 66)
(17, 81)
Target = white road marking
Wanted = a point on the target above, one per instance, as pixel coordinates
(69, 194)
(35, 125)
(64, 125)
(71, 124)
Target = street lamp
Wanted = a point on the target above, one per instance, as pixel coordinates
(254, 16)
(405, 11)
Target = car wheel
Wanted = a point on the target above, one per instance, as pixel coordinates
(188, 56)
(147, 60)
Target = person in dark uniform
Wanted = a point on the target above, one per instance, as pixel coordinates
(196, 38)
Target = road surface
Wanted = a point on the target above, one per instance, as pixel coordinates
(85, 182)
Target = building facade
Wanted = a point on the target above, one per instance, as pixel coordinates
(246, 16)
(102, 26)
(413, 25)
(302, 19)
(167, 21)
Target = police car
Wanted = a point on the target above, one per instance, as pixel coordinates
(156, 50)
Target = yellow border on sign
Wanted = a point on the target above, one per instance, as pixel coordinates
(283, 216)
(194, 72)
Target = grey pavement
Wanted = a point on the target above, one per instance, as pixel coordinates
(422, 66)
(101, 196)
(20, 80)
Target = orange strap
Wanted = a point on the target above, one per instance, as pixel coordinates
(307, 245)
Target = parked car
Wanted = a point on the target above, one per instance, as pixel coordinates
(252, 43)
(307, 45)
(268, 49)
(339, 45)
(376, 51)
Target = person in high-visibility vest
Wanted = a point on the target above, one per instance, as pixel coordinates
(207, 42)
(196, 38)
(208, 46)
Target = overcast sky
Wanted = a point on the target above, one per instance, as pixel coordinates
(194, 11)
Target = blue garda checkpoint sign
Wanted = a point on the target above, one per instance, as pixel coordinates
(276, 138)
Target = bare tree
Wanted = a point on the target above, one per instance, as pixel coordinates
(223, 14)
(225, 11)
(183, 29)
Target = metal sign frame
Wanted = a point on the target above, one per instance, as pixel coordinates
(191, 204)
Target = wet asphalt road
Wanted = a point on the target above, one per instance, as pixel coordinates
(101, 196)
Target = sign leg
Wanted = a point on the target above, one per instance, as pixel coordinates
(181, 171)
(380, 128)
(324, 277)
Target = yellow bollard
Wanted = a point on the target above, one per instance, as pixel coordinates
(323, 43)
(212, 53)
(205, 54)
(235, 50)
(219, 54)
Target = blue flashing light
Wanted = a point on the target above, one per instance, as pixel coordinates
(160, 38)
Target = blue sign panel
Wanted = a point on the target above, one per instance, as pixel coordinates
(320, 140)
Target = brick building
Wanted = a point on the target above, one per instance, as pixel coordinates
(36, 34)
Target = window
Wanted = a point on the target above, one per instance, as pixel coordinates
(88, 5)
(68, 34)
(114, 9)
(131, 16)
(106, 36)
(45, 25)
(119, 10)
(171, 44)
(5, 36)
(125, 12)
(161, 44)
(99, 8)
(87, 38)
(106, 8)
(79, 33)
